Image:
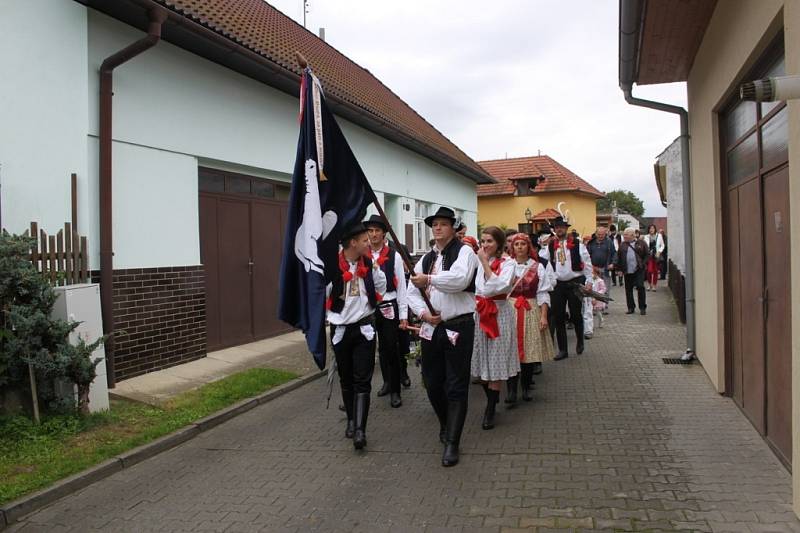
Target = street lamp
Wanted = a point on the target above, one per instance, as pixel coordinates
(528, 214)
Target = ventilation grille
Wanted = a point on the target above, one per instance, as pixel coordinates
(676, 361)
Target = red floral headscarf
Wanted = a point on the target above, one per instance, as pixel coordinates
(527, 240)
(470, 241)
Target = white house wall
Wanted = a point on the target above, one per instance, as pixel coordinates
(43, 112)
(172, 101)
(671, 158)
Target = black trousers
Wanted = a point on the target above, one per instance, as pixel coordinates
(389, 347)
(564, 295)
(445, 368)
(635, 280)
(355, 358)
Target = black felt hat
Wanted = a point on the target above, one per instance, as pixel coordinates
(559, 221)
(442, 212)
(376, 221)
(356, 229)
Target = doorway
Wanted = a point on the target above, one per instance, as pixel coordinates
(241, 239)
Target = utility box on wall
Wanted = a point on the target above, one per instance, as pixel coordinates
(81, 303)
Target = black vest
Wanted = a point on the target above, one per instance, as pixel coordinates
(542, 260)
(337, 303)
(574, 255)
(449, 256)
(388, 269)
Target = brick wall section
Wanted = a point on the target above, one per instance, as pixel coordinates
(162, 312)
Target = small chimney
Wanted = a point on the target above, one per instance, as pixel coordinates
(322, 33)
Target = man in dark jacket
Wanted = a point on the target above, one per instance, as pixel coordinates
(631, 259)
(601, 250)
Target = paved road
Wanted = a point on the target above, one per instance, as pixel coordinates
(615, 440)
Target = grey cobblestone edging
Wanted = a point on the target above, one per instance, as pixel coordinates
(13, 511)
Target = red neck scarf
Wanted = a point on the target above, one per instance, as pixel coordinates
(570, 243)
(383, 255)
(344, 266)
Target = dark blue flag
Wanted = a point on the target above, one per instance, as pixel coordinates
(329, 193)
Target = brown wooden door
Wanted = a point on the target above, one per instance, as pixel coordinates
(751, 279)
(268, 221)
(241, 232)
(777, 253)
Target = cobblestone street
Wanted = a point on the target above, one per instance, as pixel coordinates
(614, 440)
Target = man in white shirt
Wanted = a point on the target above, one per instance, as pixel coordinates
(447, 275)
(571, 265)
(351, 302)
(392, 310)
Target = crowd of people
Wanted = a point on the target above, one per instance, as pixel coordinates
(486, 311)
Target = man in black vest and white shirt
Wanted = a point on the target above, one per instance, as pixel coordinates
(572, 265)
(392, 310)
(351, 302)
(447, 275)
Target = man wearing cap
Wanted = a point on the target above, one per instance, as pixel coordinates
(392, 310)
(351, 301)
(447, 275)
(572, 265)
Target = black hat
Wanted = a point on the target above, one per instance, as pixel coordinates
(376, 221)
(559, 221)
(443, 212)
(356, 229)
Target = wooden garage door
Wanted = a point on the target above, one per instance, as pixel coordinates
(758, 251)
(241, 231)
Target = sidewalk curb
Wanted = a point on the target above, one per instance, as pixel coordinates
(17, 509)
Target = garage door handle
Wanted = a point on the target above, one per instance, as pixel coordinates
(250, 266)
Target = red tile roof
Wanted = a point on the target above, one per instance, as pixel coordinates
(260, 28)
(546, 216)
(554, 177)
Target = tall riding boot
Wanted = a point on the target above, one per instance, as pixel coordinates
(492, 396)
(561, 338)
(579, 333)
(347, 399)
(362, 412)
(386, 387)
(511, 387)
(527, 380)
(456, 413)
(439, 403)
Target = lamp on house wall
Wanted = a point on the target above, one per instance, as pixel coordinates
(528, 214)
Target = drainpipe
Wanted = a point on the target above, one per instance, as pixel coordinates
(157, 18)
(631, 17)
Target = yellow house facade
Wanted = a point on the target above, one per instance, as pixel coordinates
(744, 184)
(531, 189)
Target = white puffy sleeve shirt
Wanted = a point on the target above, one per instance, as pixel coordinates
(496, 284)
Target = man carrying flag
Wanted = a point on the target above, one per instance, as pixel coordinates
(329, 196)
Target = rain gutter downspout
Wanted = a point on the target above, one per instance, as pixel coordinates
(631, 16)
(157, 18)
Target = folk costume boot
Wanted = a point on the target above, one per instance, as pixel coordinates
(511, 387)
(349, 407)
(439, 403)
(456, 413)
(361, 414)
(492, 397)
(527, 381)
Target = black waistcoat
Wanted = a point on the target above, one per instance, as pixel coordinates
(449, 256)
(337, 302)
(388, 269)
(574, 255)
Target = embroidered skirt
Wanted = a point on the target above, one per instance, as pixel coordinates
(538, 345)
(496, 359)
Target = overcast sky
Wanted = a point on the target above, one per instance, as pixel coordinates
(511, 78)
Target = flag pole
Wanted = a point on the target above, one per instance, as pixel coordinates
(403, 253)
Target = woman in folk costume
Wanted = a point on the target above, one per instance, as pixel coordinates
(494, 358)
(530, 297)
(655, 243)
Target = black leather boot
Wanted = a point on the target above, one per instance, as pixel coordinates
(361, 414)
(456, 413)
(537, 369)
(348, 407)
(439, 404)
(492, 396)
(511, 387)
(395, 400)
(527, 379)
(384, 390)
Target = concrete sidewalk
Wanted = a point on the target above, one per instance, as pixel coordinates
(284, 352)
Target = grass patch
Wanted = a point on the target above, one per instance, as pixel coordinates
(32, 457)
